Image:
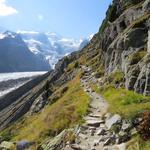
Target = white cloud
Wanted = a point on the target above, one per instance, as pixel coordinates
(40, 17)
(6, 10)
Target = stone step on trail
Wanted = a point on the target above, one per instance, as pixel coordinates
(93, 118)
(94, 123)
(79, 147)
(101, 131)
(95, 115)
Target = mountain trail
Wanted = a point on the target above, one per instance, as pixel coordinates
(93, 134)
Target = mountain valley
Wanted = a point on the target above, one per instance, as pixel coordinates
(97, 97)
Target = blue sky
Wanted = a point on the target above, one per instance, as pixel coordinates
(70, 18)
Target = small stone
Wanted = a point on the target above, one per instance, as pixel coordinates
(122, 146)
(92, 132)
(68, 142)
(94, 123)
(107, 142)
(108, 115)
(98, 115)
(110, 141)
(123, 137)
(77, 141)
(101, 132)
(134, 131)
(76, 147)
(84, 127)
(102, 126)
(96, 142)
(92, 128)
(7, 145)
(98, 110)
(126, 126)
(83, 136)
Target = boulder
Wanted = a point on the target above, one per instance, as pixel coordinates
(54, 144)
(24, 144)
(7, 145)
(115, 119)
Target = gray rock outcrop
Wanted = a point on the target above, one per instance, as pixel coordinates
(124, 43)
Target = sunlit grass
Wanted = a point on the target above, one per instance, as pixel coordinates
(124, 102)
(138, 144)
(128, 104)
(64, 113)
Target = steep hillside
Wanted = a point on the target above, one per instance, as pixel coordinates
(122, 44)
(95, 98)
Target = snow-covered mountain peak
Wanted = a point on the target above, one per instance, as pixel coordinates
(49, 46)
(27, 32)
(7, 34)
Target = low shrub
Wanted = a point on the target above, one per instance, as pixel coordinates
(116, 77)
(111, 15)
(6, 136)
(73, 65)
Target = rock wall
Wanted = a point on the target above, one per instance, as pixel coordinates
(125, 42)
(132, 37)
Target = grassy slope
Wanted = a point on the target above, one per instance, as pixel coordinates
(65, 112)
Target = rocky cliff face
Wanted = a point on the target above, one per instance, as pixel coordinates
(123, 43)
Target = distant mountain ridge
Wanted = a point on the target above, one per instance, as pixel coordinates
(16, 56)
(34, 51)
(51, 46)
